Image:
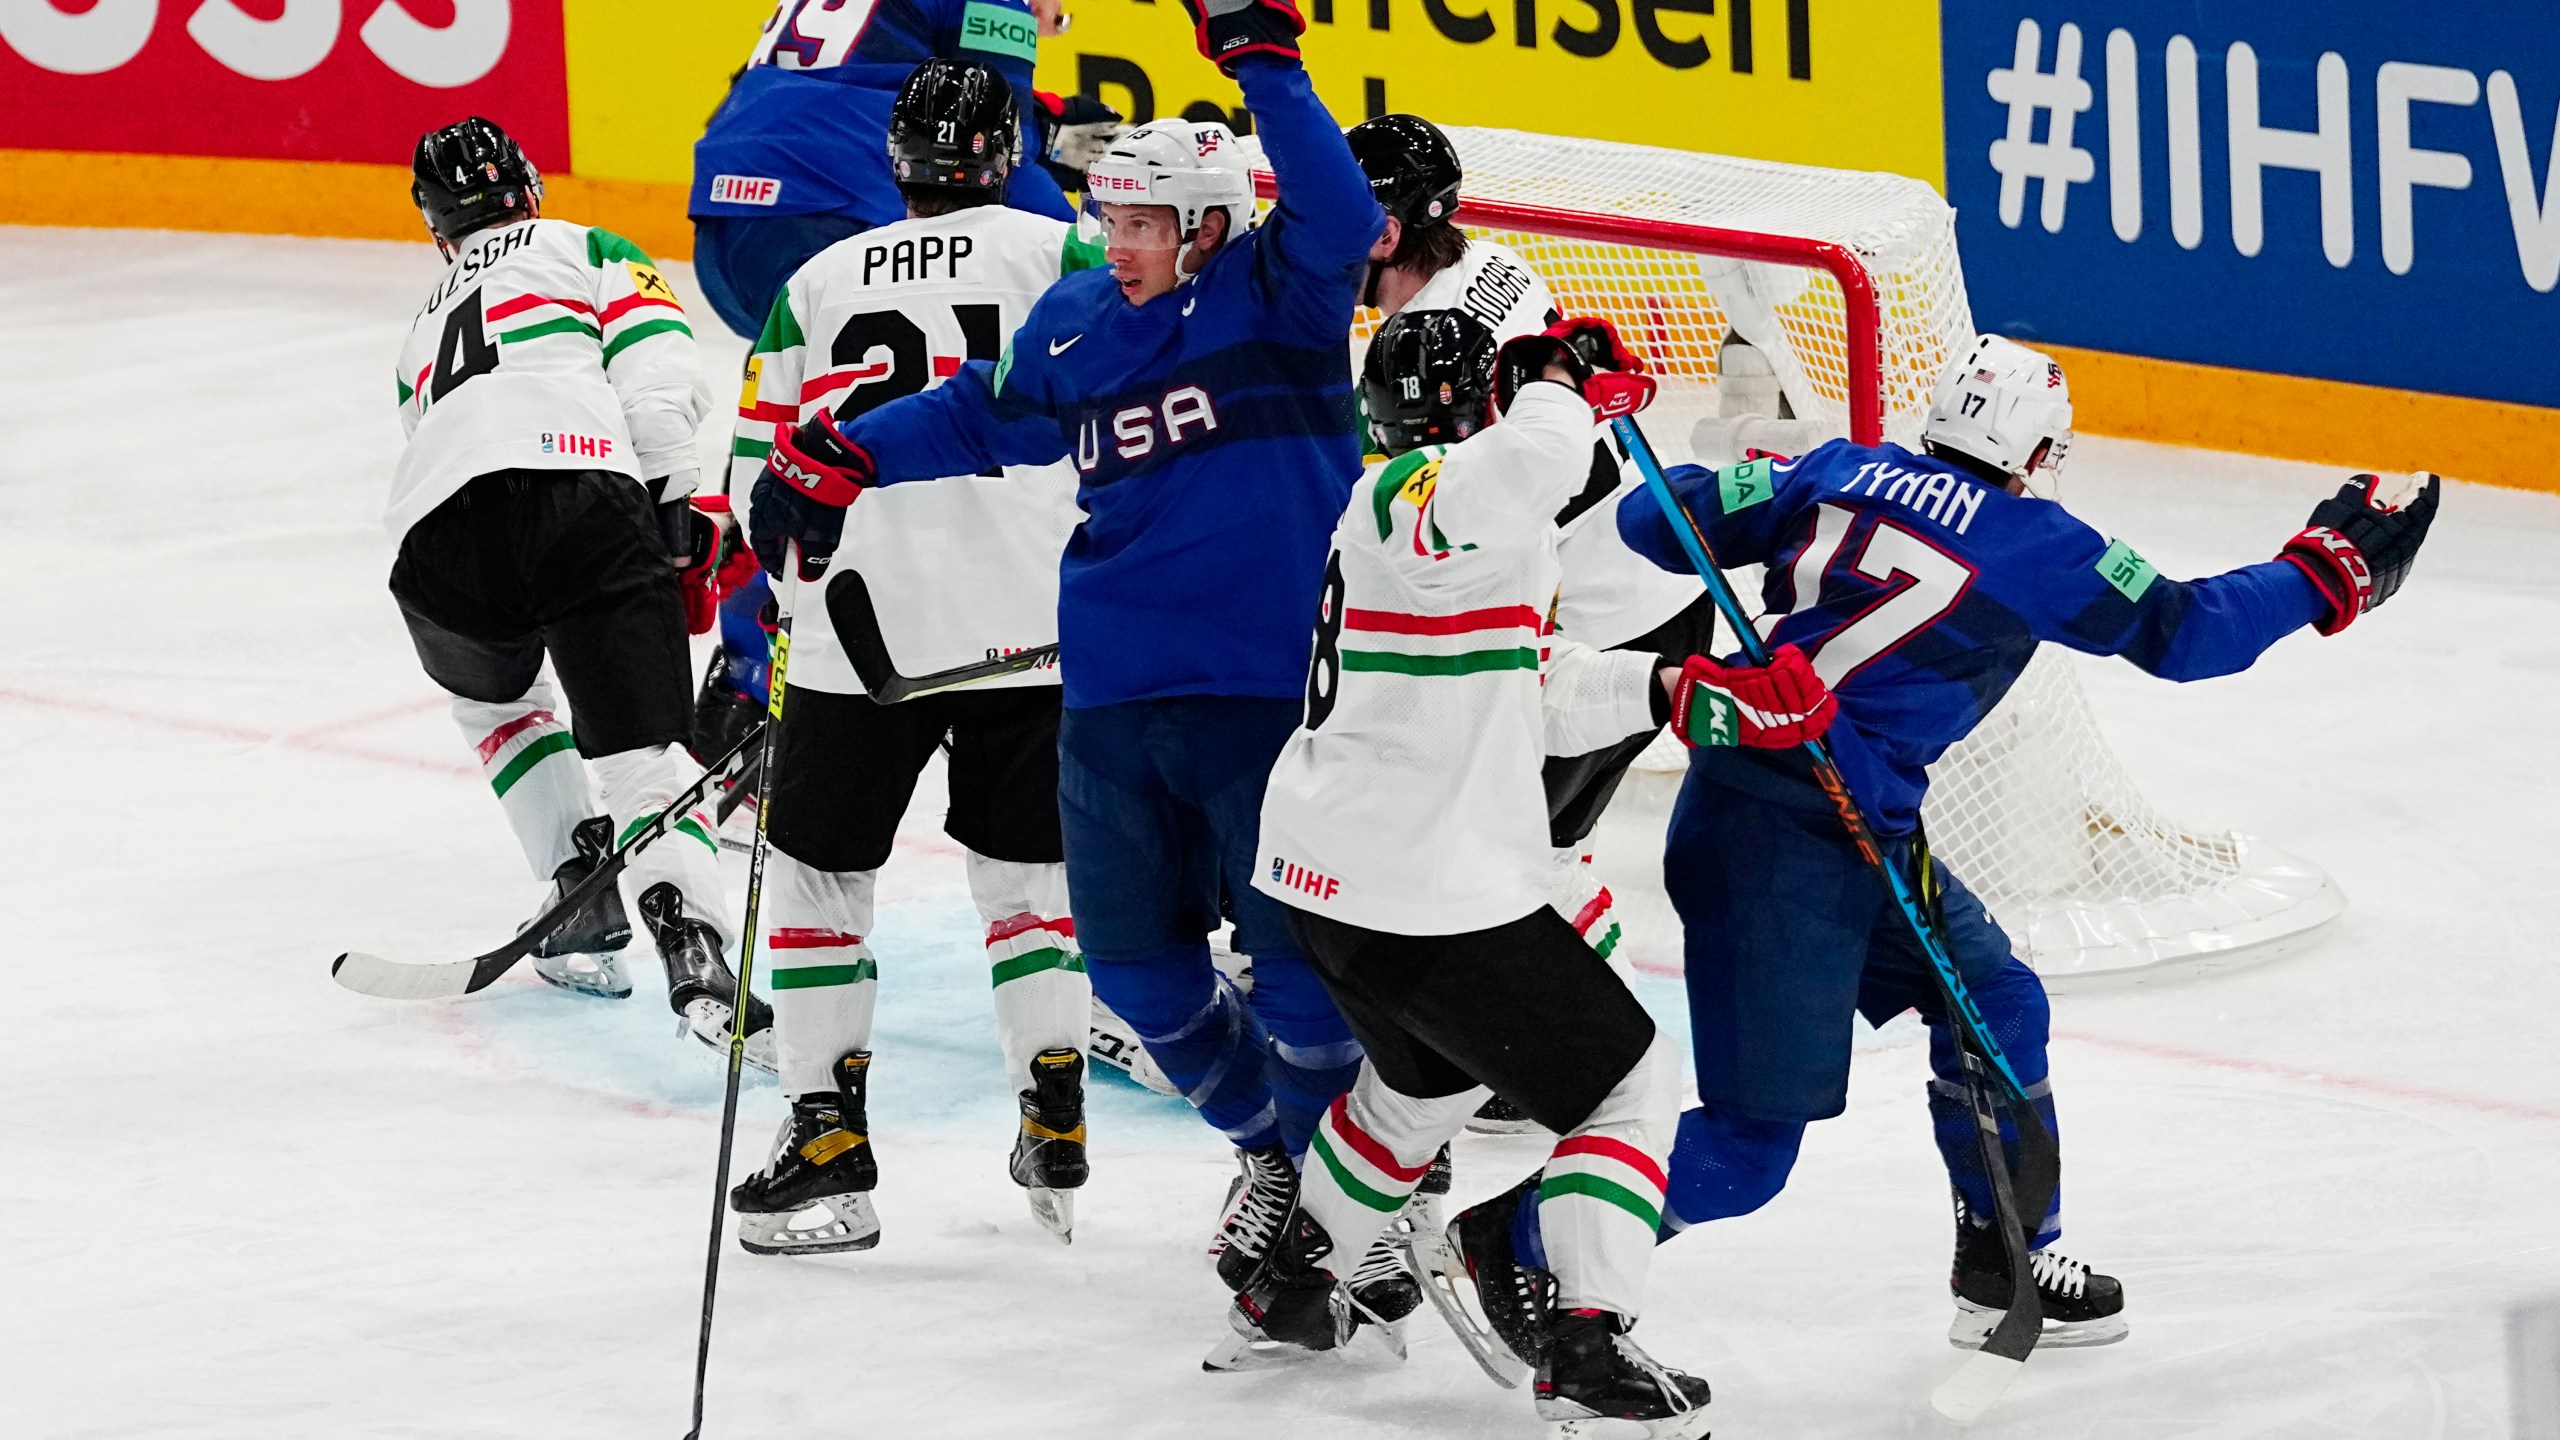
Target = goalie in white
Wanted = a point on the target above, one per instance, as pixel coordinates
(956, 582)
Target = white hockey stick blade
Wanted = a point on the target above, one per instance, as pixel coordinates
(388, 979)
(1975, 1387)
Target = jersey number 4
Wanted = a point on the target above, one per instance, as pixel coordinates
(1920, 584)
(464, 350)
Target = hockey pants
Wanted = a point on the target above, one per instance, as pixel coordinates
(825, 980)
(1787, 932)
(1160, 805)
(1524, 1009)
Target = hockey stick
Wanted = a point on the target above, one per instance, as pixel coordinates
(369, 974)
(1979, 1383)
(772, 730)
(866, 648)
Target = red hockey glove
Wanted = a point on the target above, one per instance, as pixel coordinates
(2360, 544)
(717, 565)
(1229, 30)
(817, 461)
(1772, 707)
(1607, 373)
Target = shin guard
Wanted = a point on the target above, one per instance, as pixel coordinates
(825, 982)
(1601, 1202)
(530, 760)
(1367, 1154)
(636, 786)
(1043, 999)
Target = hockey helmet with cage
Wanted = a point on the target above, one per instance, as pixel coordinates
(469, 176)
(954, 130)
(1412, 167)
(1192, 166)
(2003, 405)
(1428, 379)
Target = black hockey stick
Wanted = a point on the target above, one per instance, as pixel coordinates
(1979, 1384)
(771, 730)
(369, 974)
(866, 648)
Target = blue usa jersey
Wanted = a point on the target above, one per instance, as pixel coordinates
(1920, 593)
(1212, 430)
(805, 130)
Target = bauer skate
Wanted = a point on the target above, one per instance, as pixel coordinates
(814, 1198)
(1494, 1304)
(1291, 1308)
(700, 984)
(584, 956)
(1593, 1379)
(1048, 1155)
(2081, 1307)
(1258, 1203)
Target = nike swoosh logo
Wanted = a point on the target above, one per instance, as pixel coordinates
(1059, 347)
(1187, 304)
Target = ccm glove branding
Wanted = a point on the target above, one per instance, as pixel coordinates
(2361, 542)
(1776, 706)
(1229, 30)
(812, 474)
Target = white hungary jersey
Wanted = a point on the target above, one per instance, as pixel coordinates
(932, 576)
(546, 346)
(1610, 594)
(1410, 801)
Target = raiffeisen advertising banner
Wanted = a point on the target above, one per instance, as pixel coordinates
(2355, 191)
(278, 79)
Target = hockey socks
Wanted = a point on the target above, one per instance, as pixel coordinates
(1043, 1001)
(531, 763)
(825, 982)
(636, 786)
(1600, 1203)
(1313, 1058)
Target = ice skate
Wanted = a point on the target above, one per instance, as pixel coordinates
(584, 956)
(1496, 1306)
(1258, 1201)
(1048, 1155)
(1497, 1116)
(1594, 1379)
(814, 1198)
(1383, 1290)
(700, 984)
(1291, 1308)
(2081, 1306)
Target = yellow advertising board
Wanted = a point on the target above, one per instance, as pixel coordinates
(1846, 83)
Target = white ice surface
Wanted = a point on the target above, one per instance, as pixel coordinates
(236, 1200)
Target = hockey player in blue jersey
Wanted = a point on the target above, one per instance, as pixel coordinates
(1202, 386)
(797, 158)
(1921, 585)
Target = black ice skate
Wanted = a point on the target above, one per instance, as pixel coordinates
(815, 1196)
(700, 985)
(1048, 1155)
(1505, 1327)
(1594, 1377)
(1291, 1308)
(1258, 1201)
(1497, 1116)
(585, 955)
(722, 716)
(1383, 1290)
(2081, 1307)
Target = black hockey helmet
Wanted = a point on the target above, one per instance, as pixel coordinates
(469, 176)
(953, 129)
(1412, 167)
(1428, 379)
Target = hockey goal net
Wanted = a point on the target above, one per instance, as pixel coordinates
(1848, 284)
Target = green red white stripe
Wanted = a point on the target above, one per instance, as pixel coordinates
(812, 958)
(1358, 1164)
(1468, 642)
(1029, 944)
(514, 748)
(697, 825)
(1610, 1173)
(1593, 911)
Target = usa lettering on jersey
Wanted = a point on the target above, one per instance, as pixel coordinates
(1134, 428)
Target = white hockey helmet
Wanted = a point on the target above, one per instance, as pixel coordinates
(1999, 404)
(1194, 166)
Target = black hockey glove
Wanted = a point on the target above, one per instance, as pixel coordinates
(1229, 30)
(1524, 358)
(1079, 129)
(1608, 374)
(2359, 545)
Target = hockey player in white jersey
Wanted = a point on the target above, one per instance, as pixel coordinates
(1611, 598)
(927, 586)
(551, 392)
(1405, 829)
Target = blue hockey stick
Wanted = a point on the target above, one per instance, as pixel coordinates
(1976, 1387)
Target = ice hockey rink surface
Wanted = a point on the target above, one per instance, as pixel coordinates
(236, 1200)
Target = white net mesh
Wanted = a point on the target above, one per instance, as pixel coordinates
(2033, 809)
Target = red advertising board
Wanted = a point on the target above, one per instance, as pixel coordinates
(279, 79)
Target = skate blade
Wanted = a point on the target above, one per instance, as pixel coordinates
(1523, 1126)
(843, 1222)
(1974, 1323)
(707, 1020)
(1688, 1425)
(1054, 1209)
(1251, 1352)
(581, 974)
(1374, 1340)
(1446, 1284)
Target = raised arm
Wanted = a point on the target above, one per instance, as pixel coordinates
(1326, 217)
(1502, 486)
